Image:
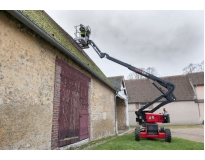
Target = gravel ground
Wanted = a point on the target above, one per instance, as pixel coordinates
(193, 134)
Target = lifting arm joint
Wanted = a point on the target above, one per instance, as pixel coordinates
(168, 95)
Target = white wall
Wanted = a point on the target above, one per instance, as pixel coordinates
(132, 116)
(200, 92)
(200, 95)
(201, 106)
(181, 113)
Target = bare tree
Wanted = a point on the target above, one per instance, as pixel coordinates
(191, 68)
(200, 67)
(134, 75)
(150, 70)
(131, 76)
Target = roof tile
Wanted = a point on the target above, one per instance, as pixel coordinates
(142, 90)
(116, 81)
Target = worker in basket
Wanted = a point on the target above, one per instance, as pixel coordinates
(82, 30)
(88, 32)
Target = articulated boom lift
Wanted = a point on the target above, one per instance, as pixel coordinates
(147, 119)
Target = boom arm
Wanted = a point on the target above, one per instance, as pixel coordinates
(165, 94)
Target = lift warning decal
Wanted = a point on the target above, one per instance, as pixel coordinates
(138, 70)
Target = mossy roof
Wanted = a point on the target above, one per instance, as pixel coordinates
(48, 25)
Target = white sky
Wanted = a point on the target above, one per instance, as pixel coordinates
(167, 35)
(167, 40)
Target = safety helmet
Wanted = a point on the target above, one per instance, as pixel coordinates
(82, 28)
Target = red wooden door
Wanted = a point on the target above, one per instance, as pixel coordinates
(83, 124)
(73, 114)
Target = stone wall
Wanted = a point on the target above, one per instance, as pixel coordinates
(102, 110)
(121, 113)
(26, 87)
(27, 71)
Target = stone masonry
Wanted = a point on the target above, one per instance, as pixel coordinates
(27, 73)
(121, 113)
(102, 111)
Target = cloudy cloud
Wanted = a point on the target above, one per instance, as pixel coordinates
(166, 40)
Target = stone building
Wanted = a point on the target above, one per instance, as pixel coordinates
(189, 92)
(121, 102)
(52, 95)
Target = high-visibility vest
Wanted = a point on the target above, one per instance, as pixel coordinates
(82, 32)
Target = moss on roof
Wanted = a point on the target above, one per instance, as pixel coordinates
(42, 20)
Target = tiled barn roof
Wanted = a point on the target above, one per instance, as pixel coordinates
(197, 78)
(116, 81)
(142, 90)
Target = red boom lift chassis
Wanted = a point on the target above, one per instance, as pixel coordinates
(148, 120)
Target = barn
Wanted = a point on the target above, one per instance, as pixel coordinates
(52, 95)
(188, 109)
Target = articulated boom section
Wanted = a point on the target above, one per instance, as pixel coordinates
(168, 95)
(148, 119)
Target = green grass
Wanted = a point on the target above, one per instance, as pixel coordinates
(127, 142)
(96, 142)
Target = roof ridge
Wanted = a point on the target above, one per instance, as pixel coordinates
(195, 73)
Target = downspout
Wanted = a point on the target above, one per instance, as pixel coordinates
(18, 15)
(127, 113)
(115, 103)
(126, 104)
(197, 101)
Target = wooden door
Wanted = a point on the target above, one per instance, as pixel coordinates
(73, 114)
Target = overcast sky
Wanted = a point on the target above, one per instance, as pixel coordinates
(167, 40)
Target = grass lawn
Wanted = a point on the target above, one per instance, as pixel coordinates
(127, 142)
